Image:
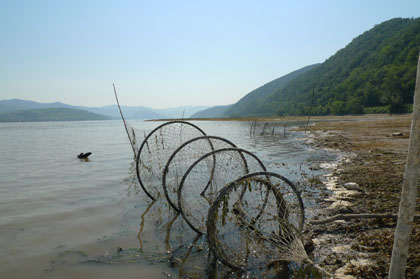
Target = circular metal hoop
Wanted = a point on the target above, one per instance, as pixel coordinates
(141, 168)
(211, 140)
(253, 226)
(199, 225)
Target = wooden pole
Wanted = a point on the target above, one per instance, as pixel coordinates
(310, 108)
(250, 130)
(265, 125)
(409, 192)
(125, 125)
(255, 125)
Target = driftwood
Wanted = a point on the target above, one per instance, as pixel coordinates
(358, 216)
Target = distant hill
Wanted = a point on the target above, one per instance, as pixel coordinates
(50, 114)
(17, 104)
(111, 111)
(246, 105)
(374, 73)
(212, 112)
(179, 112)
(129, 112)
(140, 112)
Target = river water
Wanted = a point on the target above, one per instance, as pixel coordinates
(62, 217)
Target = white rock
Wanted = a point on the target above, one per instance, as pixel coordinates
(352, 186)
(397, 134)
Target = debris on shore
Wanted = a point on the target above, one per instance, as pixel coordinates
(369, 181)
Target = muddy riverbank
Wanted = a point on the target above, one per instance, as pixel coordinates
(375, 151)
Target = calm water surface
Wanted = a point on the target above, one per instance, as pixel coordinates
(62, 217)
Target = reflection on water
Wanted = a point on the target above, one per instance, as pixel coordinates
(61, 216)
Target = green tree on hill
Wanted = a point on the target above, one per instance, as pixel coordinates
(375, 72)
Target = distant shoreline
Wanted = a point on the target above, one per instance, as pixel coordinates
(287, 118)
(50, 115)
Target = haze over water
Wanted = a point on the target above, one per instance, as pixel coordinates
(57, 211)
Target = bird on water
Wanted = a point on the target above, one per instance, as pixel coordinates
(84, 155)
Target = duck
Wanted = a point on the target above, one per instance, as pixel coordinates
(84, 155)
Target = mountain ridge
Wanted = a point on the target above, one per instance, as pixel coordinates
(245, 106)
(111, 111)
(376, 69)
(50, 114)
(212, 112)
(374, 73)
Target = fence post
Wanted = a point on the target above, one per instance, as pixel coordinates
(408, 194)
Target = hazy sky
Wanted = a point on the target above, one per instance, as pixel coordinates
(171, 53)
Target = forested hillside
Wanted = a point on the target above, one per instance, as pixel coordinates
(374, 73)
(247, 104)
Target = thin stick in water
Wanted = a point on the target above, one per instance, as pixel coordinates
(125, 125)
(310, 108)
